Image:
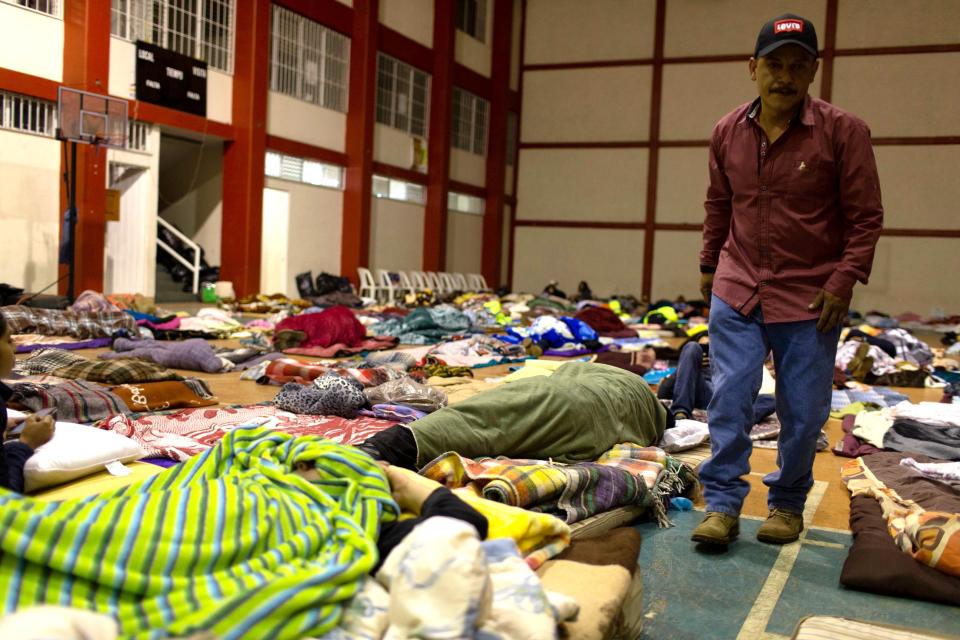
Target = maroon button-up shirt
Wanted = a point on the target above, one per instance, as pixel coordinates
(787, 219)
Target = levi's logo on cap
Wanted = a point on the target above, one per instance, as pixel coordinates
(786, 26)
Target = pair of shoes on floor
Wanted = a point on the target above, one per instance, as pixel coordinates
(720, 529)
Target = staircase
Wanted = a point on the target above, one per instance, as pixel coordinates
(169, 290)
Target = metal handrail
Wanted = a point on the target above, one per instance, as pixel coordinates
(195, 267)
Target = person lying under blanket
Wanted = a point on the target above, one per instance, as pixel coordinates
(574, 415)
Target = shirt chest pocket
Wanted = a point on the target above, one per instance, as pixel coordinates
(808, 178)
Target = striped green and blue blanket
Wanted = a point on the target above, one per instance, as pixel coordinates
(229, 542)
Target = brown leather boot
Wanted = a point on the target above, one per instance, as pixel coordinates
(781, 527)
(717, 529)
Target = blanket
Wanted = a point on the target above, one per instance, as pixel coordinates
(188, 550)
(168, 394)
(194, 354)
(574, 415)
(74, 400)
(55, 322)
(188, 432)
(922, 514)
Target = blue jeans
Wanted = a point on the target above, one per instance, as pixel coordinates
(804, 359)
(693, 386)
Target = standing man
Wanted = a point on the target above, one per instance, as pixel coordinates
(793, 215)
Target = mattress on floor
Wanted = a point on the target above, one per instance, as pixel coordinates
(99, 483)
(602, 574)
(820, 627)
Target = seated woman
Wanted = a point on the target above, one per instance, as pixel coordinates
(691, 387)
(574, 415)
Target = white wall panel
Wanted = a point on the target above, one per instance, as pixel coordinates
(682, 180)
(305, 122)
(920, 186)
(725, 27)
(316, 222)
(32, 42)
(29, 209)
(610, 260)
(582, 184)
(412, 18)
(901, 95)
(576, 31)
(468, 167)
(464, 242)
(396, 235)
(606, 104)
(897, 23)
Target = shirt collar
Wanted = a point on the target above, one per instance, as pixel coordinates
(806, 112)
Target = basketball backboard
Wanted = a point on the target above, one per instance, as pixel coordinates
(92, 118)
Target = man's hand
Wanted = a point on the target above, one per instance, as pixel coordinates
(706, 286)
(833, 310)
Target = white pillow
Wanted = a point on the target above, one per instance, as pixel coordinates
(75, 451)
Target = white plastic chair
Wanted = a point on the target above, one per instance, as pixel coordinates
(386, 286)
(478, 283)
(368, 286)
(419, 280)
(460, 282)
(446, 281)
(433, 281)
(406, 285)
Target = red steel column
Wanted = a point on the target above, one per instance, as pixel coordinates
(86, 66)
(497, 147)
(243, 158)
(355, 238)
(438, 147)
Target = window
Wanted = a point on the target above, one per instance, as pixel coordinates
(49, 7)
(138, 136)
(513, 123)
(321, 174)
(465, 204)
(201, 29)
(30, 115)
(402, 96)
(309, 61)
(399, 190)
(469, 122)
(472, 18)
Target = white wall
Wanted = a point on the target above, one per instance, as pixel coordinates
(316, 224)
(392, 146)
(464, 240)
(32, 42)
(396, 235)
(468, 167)
(29, 209)
(191, 191)
(472, 53)
(130, 248)
(302, 121)
(123, 78)
(412, 18)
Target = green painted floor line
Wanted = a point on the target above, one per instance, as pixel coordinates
(697, 594)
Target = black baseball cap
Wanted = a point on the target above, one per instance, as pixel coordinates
(786, 29)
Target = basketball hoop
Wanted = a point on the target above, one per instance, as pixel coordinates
(87, 118)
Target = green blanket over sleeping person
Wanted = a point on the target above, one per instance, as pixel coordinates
(574, 415)
(230, 542)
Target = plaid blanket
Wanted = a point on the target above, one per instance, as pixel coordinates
(230, 543)
(883, 396)
(179, 435)
(75, 400)
(54, 322)
(44, 361)
(120, 371)
(626, 474)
